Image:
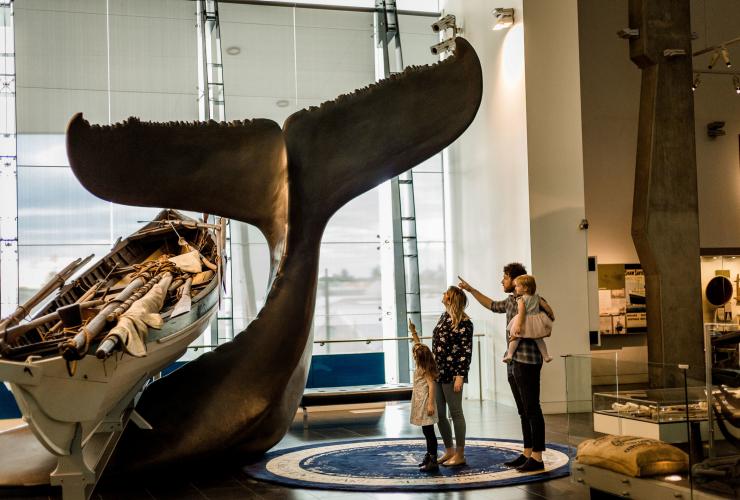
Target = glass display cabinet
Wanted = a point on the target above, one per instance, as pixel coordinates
(653, 413)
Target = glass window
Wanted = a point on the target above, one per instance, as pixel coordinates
(142, 61)
(357, 221)
(429, 202)
(39, 263)
(42, 150)
(54, 208)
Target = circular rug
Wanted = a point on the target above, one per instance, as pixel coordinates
(392, 465)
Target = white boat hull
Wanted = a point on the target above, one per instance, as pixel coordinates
(53, 403)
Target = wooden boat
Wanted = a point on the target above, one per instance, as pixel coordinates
(70, 381)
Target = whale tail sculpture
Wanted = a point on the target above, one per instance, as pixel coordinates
(242, 397)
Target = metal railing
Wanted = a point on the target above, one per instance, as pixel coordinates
(323, 342)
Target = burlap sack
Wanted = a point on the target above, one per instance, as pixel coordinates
(633, 456)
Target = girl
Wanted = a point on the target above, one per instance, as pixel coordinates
(423, 407)
(530, 322)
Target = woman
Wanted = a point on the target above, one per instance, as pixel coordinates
(452, 345)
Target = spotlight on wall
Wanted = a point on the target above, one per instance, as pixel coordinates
(713, 59)
(696, 82)
(736, 83)
(442, 47)
(444, 23)
(725, 56)
(504, 18)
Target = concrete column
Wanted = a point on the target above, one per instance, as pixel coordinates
(665, 223)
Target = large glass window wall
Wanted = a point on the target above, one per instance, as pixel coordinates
(119, 58)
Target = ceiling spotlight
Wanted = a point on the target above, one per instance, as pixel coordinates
(736, 83)
(725, 56)
(444, 23)
(504, 18)
(696, 82)
(713, 59)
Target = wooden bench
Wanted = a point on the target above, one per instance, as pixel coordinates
(358, 394)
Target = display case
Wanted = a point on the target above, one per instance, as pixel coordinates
(654, 413)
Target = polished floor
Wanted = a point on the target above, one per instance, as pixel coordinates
(484, 419)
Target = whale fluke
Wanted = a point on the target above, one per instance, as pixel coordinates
(242, 397)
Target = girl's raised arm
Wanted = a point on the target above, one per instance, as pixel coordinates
(412, 330)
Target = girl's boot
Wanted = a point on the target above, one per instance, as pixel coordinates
(431, 465)
(425, 461)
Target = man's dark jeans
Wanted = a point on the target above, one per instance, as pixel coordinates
(524, 380)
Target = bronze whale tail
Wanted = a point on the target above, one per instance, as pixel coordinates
(242, 397)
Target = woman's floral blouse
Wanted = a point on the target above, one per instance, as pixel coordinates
(453, 350)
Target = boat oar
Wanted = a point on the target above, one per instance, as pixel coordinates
(54, 283)
(76, 348)
(11, 334)
(185, 303)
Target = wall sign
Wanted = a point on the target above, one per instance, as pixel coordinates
(622, 307)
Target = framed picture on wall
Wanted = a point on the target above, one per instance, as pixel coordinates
(621, 299)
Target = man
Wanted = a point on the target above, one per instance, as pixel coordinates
(523, 372)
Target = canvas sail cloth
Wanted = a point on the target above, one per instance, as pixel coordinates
(133, 325)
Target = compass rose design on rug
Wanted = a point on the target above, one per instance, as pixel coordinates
(391, 464)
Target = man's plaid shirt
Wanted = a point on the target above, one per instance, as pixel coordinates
(527, 352)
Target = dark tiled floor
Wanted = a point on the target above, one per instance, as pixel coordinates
(484, 419)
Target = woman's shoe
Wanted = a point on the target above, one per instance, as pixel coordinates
(517, 462)
(430, 466)
(447, 456)
(531, 465)
(455, 462)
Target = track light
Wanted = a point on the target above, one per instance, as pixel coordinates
(736, 83)
(442, 47)
(696, 82)
(713, 59)
(725, 56)
(446, 22)
(504, 18)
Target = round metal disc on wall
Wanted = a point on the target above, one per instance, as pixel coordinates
(718, 291)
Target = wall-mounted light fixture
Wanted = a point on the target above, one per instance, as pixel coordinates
(725, 56)
(695, 83)
(441, 26)
(442, 47)
(444, 23)
(720, 74)
(504, 18)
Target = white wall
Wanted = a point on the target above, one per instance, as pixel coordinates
(610, 90)
(487, 184)
(515, 176)
(556, 197)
